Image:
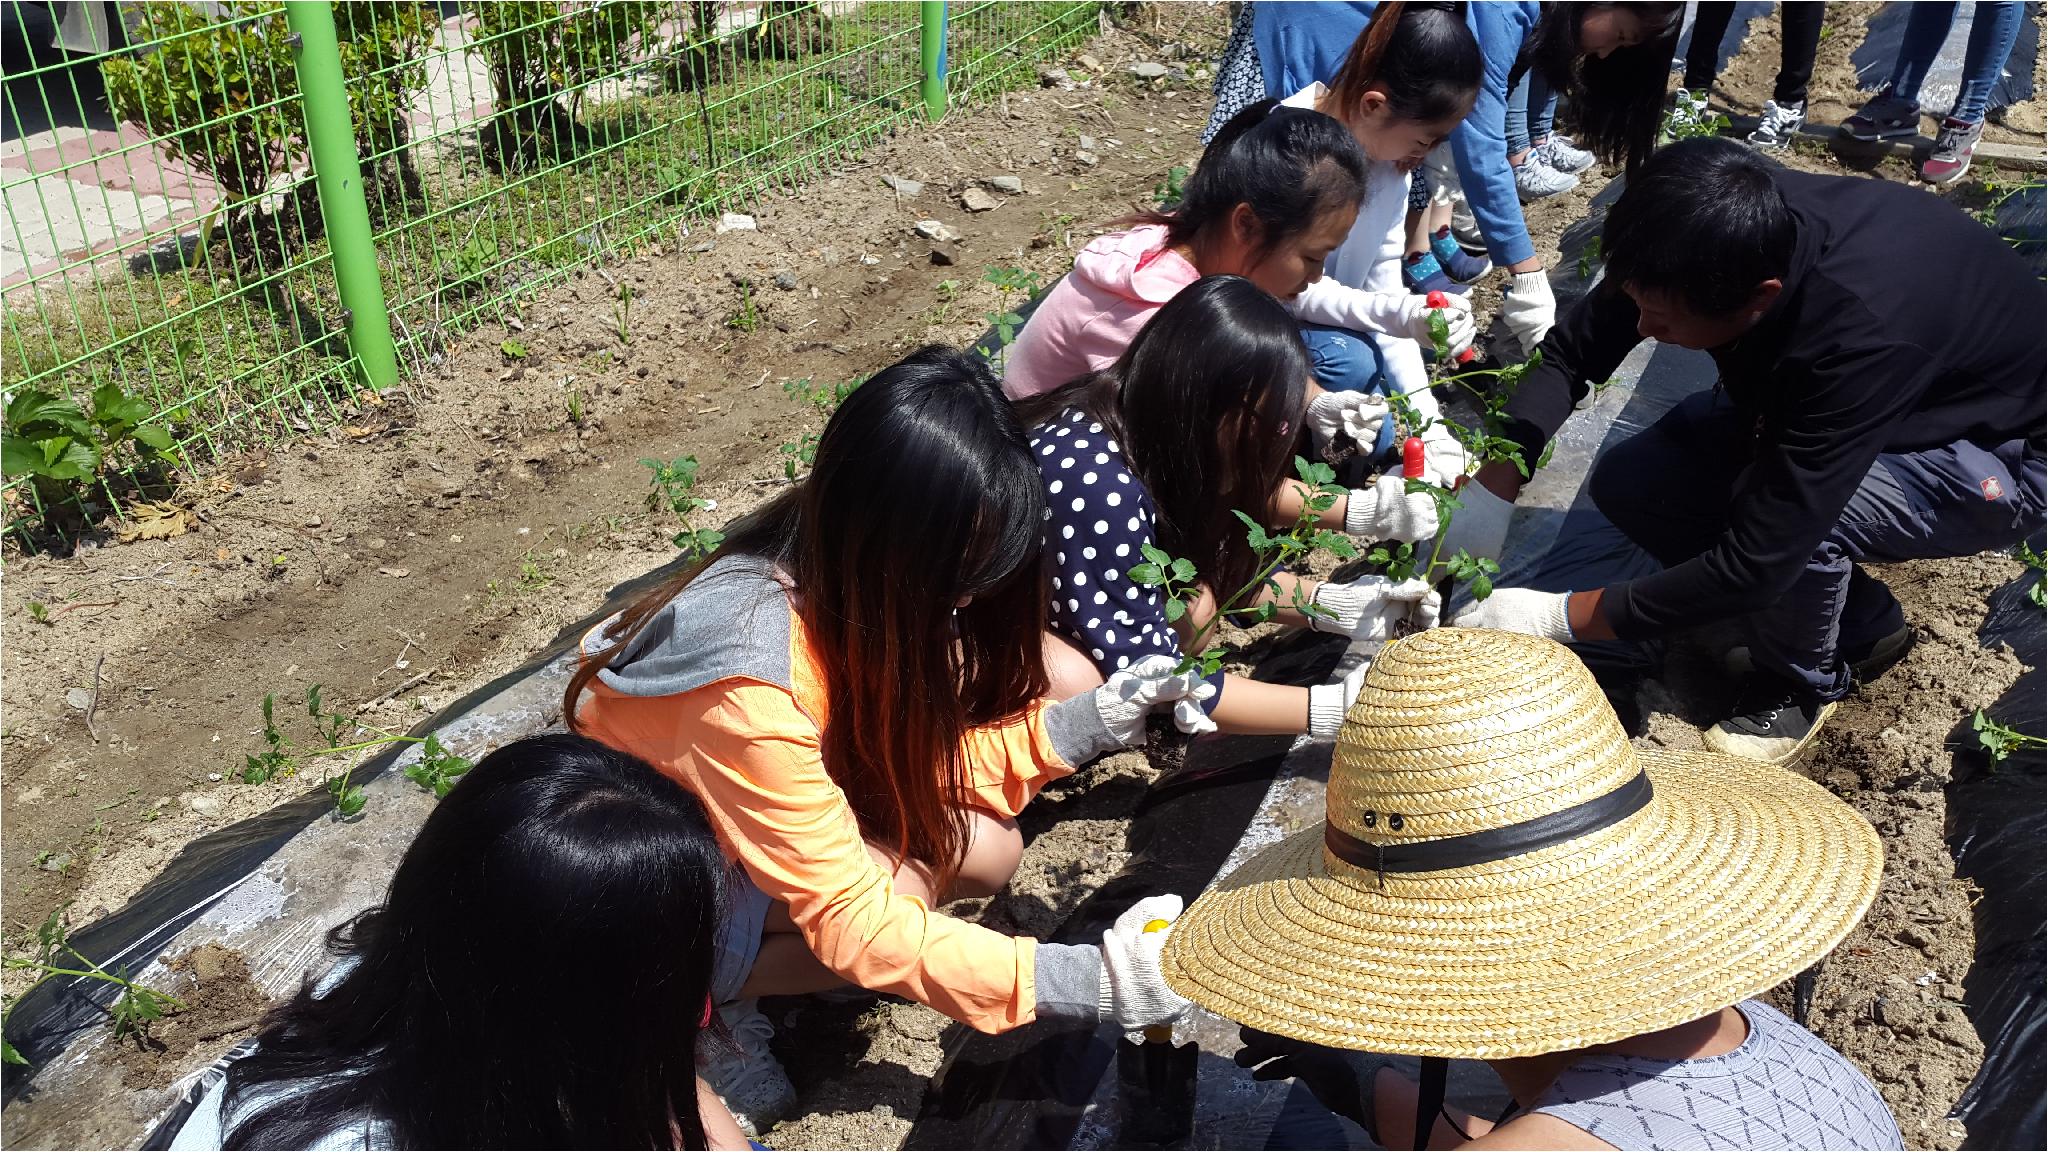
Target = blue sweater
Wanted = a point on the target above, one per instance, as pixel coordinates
(1299, 43)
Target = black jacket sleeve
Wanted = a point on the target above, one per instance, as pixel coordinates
(1589, 345)
(1843, 405)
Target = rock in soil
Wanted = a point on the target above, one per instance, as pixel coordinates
(737, 222)
(1148, 70)
(935, 231)
(979, 200)
(903, 187)
(1008, 185)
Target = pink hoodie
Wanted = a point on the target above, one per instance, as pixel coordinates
(1085, 322)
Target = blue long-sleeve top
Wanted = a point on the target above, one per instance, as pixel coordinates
(1301, 43)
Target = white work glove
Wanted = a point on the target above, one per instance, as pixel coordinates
(1523, 610)
(1328, 703)
(1529, 310)
(1443, 456)
(1134, 991)
(1355, 414)
(1369, 607)
(1131, 694)
(1457, 310)
(1388, 511)
(1480, 526)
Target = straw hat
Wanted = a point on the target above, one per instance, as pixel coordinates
(1502, 874)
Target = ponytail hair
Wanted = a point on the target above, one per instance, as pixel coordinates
(1617, 102)
(1291, 166)
(1422, 57)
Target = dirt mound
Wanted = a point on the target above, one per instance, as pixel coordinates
(222, 1005)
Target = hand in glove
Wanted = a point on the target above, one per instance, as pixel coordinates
(1480, 526)
(1529, 310)
(1388, 511)
(1131, 694)
(1369, 607)
(1355, 414)
(1443, 457)
(1328, 703)
(1523, 610)
(1133, 991)
(1457, 312)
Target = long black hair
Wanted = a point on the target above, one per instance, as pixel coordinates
(1616, 101)
(1291, 166)
(1206, 403)
(535, 978)
(922, 495)
(1423, 57)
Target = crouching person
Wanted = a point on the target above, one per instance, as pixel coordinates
(854, 686)
(1502, 877)
(1880, 398)
(538, 976)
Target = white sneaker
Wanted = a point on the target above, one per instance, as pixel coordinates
(1561, 154)
(1779, 124)
(1535, 179)
(744, 1073)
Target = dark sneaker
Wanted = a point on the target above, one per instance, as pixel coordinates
(1457, 263)
(1954, 146)
(1780, 123)
(1883, 117)
(1866, 661)
(1774, 721)
(1423, 275)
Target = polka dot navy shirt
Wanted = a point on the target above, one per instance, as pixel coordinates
(1097, 516)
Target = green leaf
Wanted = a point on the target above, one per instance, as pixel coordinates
(313, 701)
(9, 1055)
(115, 409)
(34, 414)
(1264, 612)
(64, 458)
(1147, 575)
(155, 436)
(351, 800)
(1482, 586)
(1155, 554)
(1175, 609)
(1183, 571)
(1255, 532)
(1315, 473)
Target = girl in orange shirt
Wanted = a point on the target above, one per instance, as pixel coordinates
(853, 685)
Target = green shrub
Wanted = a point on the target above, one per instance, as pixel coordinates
(539, 50)
(51, 440)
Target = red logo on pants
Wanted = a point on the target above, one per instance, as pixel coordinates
(1991, 488)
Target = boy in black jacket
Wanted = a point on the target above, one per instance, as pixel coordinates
(1881, 398)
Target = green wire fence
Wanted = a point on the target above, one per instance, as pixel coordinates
(178, 281)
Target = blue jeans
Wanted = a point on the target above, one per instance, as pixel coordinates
(1347, 361)
(1993, 30)
(1669, 487)
(1531, 107)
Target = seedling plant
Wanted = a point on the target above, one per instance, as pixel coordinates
(1690, 117)
(278, 758)
(1999, 741)
(798, 454)
(671, 491)
(1178, 580)
(1009, 282)
(622, 312)
(132, 1012)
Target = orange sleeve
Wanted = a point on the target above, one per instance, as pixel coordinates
(753, 757)
(1007, 763)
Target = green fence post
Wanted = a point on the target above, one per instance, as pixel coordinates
(331, 140)
(931, 43)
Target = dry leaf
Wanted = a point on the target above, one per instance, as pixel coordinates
(155, 522)
(395, 573)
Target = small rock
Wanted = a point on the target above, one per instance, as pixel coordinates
(785, 281)
(1086, 143)
(1089, 62)
(1914, 936)
(1148, 70)
(213, 777)
(706, 246)
(978, 200)
(1952, 991)
(1008, 185)
(737, 222)
(312, 521)
(394, 573)
(1053, 76)
(871, 261)
(933, 230)
(942, 258)
(79, 698)
(1084, 156)
(57, 863)
(203, 805)
(903, 187)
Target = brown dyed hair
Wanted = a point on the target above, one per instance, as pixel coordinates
(923, 494)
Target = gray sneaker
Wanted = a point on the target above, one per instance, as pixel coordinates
(1954, 146)
(1535, 179)
(744, 1074)
(1560, 153)
(1883, 117)
(1780, 123)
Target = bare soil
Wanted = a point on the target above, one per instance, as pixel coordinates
(222, 1005)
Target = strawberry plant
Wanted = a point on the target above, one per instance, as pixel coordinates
(61, 449)
(1179, 582)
